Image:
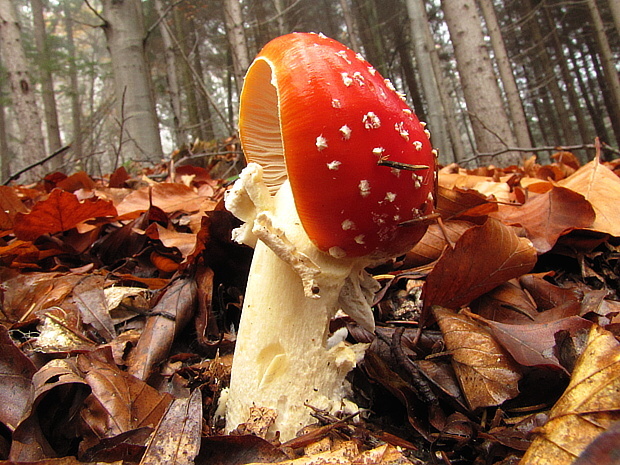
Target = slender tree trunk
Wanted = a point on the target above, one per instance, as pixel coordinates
(124, 30)
(5, 155)
(423, 45)
(370, 35)
(173, 89)
(76, 109)
(349, 21)
(236, 40)
(614, 6)
(47, 82)
(515, 105)
(610, 73)
(22, 92)
(482, 93)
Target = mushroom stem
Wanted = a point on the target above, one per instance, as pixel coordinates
(282, 359)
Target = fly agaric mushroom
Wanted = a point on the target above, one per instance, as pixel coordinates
(341, 175)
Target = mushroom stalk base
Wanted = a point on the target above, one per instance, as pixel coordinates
(281, 359)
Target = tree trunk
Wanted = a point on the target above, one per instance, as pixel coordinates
(5, 155)
(614, 6)
(76, 109)
(610, 73)
(349, 21)
(236, 40)
(22, 92)
(124, 30)
(515, 106)
(423, 46)
(47, 82)
(173, 88)
(489, 120)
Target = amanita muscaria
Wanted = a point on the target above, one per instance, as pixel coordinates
(341, 175)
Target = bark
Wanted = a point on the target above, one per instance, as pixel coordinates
(74, 93)
(124, 30)
(50, 110)
(610, 73)
(173, 89)
(423, 46)
(32, 146)
(515, 105)
(5, 155)
(236, 40)
(489, 120)
(370, 35)
(349, 21)
(614, 6)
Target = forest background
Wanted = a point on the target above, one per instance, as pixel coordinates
(110, 83)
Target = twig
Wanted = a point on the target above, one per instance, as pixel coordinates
(544, 148)
(35, 164)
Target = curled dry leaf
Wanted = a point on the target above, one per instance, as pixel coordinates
(487, 374)
(483, 258)
(547, 216)
(170, 314)
(61, 211)
(176, 440)
(16, 371)
(588, 407)
(167, 196)
(601, 187)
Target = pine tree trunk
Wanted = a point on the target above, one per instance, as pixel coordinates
(423, 46)
(173, 89)
(236, 40)
(5, 155)
(124, 30)
(47, 82)
(515, 106)
(489, 120)
(349, 21)
(76, 109)
(610, 73)
(32, 146)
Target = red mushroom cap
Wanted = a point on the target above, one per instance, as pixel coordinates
(316, 112)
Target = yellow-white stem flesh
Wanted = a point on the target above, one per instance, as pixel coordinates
(281, 359)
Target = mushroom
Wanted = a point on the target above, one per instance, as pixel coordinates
(341, 176)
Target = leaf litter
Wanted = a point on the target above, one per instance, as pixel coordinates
(496, 335)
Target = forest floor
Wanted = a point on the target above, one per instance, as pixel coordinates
(496, 340)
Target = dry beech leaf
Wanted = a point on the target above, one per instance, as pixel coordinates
(507, 303)
(434, 241)
(465, 204)
(176, 441)
(483, 258)
(487, 374)
(601, 187)
(16, 372)
(547, 216)
(533, 344)
(61, 211)
(589, 406)
(167, 196)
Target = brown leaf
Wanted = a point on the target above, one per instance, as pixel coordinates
(177, 437)
(547, 216)
(533, 344)
(507, 303)
(483, 258)
(171, 313)
(16, 371)
(167, 196)
(237, 450)
(487, 374)
(464, 204)
(601, 187)
(588, 407)
(119, 401)
(90, 299)
(433, 242)
(61, 211)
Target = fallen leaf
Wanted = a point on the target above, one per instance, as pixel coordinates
(167, 196)
(16, 371)
(533, 344)
(61, 211)
(487, 374)
(507, 303)
(545, 217)
(483, 258)
(176, 440)
(589, 406)
(601, 187)
(433, 242)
